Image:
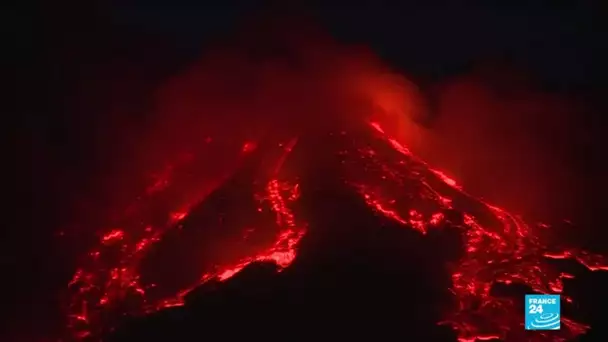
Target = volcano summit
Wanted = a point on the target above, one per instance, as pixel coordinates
(341, 229)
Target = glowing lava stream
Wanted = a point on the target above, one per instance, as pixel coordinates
(506, 251)
(101, 286)
(499, 247)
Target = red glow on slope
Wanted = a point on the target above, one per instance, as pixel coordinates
(499, 249)
(283, 250)
(109, 277)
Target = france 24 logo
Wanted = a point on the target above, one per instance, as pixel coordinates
(542, 312)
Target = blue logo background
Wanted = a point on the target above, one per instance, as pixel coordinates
(542, 312)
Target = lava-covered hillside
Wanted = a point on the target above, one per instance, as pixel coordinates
(339, 230)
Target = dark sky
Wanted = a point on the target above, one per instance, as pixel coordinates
(63, 79)
(564, 43)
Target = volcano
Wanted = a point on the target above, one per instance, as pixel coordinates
(337, 229)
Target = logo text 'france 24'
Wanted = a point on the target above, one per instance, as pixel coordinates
(542, 312)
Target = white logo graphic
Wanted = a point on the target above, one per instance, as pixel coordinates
(547, 321)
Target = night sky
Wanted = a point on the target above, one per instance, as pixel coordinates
(80, 61)
(564, 44)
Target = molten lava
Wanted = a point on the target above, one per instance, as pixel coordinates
(499, 246)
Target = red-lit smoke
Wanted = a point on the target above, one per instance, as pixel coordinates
(509, 140)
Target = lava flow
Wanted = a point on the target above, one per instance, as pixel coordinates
(110, 281)
(499, 247)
